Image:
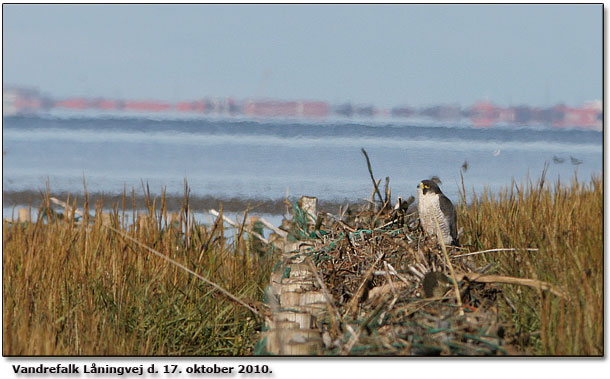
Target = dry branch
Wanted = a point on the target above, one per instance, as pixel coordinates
(533, 283)
(493, 250)
(184, 268)
(353, 303)
(375, 183)
(456, 287)
(234, 224)
(65, 205)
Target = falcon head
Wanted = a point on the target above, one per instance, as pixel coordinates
(428, 186)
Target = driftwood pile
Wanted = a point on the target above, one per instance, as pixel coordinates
(369, 282)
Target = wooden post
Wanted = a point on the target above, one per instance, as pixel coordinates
(310, 206)
(295, 303)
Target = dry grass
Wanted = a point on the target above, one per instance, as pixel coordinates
(565, 222)
(79, 288)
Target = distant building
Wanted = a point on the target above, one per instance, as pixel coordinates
(17, 101)
(482, 114)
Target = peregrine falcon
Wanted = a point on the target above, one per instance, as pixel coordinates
(433, 204)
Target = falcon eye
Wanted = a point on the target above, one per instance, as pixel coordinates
(426, 186)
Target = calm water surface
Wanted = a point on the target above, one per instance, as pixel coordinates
(263, 159)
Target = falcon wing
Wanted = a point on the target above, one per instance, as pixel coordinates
(450, 215)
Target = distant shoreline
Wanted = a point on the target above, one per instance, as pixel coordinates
(173, 202)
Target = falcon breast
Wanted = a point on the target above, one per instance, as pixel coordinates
(434, 206)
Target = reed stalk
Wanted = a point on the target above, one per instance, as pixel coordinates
(84, 287)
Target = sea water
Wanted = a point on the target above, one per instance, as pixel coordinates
(244, 158)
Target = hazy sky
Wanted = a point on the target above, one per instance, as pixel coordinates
(381, 54)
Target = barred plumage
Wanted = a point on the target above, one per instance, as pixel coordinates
(433, 205)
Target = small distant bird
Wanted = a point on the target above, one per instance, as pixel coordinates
(575, 161)
(497, 152)
(433, 206)
(557, 159)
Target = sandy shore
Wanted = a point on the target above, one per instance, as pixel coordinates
(12, 199)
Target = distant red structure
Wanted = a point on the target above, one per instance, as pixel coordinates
(106, 105)
(315, 109)
(590, 116)
(482, 114)
(72, 103)
(192, 106)
(147, 106)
